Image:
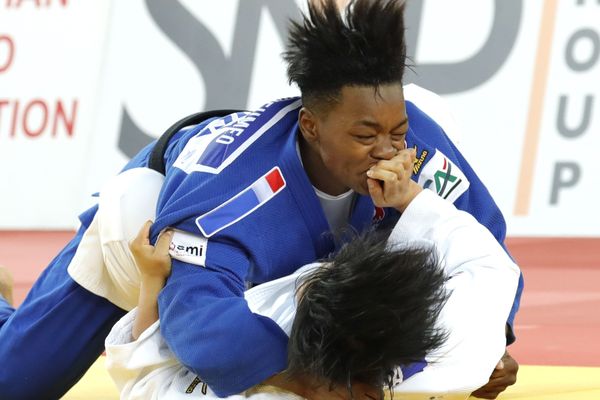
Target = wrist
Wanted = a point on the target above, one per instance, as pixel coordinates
(150, 287)
(151, 282)
(413, 191)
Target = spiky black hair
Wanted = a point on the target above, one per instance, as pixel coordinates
(372, 309)
(328, 50)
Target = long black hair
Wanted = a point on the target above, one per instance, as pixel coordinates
(365, 312)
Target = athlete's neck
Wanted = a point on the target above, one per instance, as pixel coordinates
(317, 172)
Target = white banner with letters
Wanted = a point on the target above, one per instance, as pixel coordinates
(84, 85)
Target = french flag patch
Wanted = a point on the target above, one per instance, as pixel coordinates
(242, 204)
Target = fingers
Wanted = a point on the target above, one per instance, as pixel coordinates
(490, 391)
(383, 175)
(389, 181)
(143, 236)
(503, 376)
(500, 365)
(396, 169)
(152, 261)
(485, 395)
(404, 159)
(376, 192)
(497, 373)
(6, 285)
(163, 242)
(141, 243)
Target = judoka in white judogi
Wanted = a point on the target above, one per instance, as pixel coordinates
(481, 277)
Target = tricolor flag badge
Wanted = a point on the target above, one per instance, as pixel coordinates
(242, 204)
(378, 215)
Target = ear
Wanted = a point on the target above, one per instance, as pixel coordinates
(307, 122)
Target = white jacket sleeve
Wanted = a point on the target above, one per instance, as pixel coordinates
(146, 369)
(482, 280)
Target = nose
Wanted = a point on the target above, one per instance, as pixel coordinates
(384, 149)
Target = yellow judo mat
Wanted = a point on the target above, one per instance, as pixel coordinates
(535, 383)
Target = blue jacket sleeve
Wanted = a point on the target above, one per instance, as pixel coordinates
(208, 325)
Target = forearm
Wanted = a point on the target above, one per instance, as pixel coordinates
(147, 313)
(462, 242)
(144, 368)
(483, 280)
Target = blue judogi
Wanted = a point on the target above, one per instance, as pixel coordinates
(237, 183)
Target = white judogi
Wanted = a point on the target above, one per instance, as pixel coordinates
(482, 277)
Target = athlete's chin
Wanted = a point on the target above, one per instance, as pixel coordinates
(362, 188)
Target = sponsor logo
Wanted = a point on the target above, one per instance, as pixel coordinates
(181, 250)
(443, 177)
(195, 383)
(419, 161)
(188, 248)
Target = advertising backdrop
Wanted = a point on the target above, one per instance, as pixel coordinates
(85, 84)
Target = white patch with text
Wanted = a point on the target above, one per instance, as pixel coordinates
(188, 248)
(443, 177)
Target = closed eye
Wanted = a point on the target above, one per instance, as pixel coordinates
(398, 136)
(365, 137)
